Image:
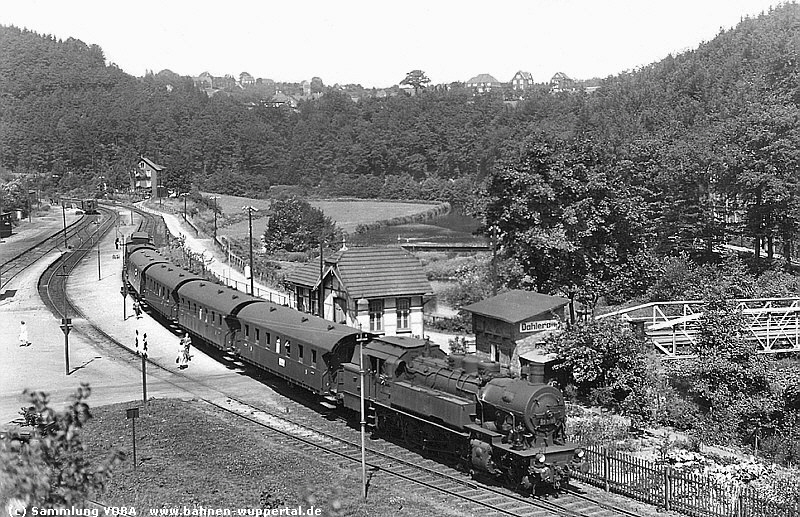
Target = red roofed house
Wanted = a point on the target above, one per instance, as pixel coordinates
(147, 175)
(379, 288)
(510, 327)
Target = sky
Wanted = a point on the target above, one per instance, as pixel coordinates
(376, 43)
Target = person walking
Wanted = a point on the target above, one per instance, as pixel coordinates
(23, 334)
(183, 352)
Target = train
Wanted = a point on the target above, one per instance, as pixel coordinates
(87, 205)
(472, 411)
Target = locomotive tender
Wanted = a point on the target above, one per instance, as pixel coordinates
(460, 406)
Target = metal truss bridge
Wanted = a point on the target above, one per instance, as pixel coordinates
(772, 323)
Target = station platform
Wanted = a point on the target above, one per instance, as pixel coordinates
(113, 374)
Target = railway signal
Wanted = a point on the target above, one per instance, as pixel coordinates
(144, 367)
(362, 338)
(124, 292)
(66, 326)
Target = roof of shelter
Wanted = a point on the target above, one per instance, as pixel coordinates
(515, 306)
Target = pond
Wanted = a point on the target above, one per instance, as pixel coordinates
(451, 228)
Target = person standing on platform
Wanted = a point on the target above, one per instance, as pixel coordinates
(183, 352)
(23, 334)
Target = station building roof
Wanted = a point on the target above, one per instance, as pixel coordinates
(516, 306)
(370, 272)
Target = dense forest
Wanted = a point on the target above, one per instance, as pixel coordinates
(621, 194)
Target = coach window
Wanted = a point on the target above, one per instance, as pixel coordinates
(314, 357)
(268, 340)
(277, 345)
(247, 331)
(300, 351)
(258, 335)
(288, 348)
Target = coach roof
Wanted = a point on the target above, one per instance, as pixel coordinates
(297, 326)
(216, 297)
(145, 257)
(170, 275)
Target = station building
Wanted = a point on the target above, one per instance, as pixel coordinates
(511, 326)
(377, 289)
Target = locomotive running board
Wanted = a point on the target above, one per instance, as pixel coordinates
(421, 419)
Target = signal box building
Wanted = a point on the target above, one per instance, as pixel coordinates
(511, 326)
(147, 176)
(379, 289)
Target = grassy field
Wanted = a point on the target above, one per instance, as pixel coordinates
(347, 214)
(193, 455)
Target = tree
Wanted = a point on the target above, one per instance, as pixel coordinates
(50, 470)
(729, 382)
(417, 79)
(607, 364)
(295, 225)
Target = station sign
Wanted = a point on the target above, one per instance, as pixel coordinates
(538, 326)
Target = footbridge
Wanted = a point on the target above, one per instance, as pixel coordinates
(772, 323)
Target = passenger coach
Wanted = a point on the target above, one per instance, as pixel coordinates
(305, 349)
(137, 263)
(210, 310)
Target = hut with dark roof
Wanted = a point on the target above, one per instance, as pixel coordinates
(380, 289)
(510, 326)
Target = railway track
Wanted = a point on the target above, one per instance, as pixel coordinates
(300, 423)
(71, 237)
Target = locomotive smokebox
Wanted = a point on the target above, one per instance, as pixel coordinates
(538, 405)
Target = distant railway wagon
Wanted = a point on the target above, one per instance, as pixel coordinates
(87, 205)
(5, 224)
(461, 407)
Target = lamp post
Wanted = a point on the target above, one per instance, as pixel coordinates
(97, 237)
(215, 215)
(250, 210)
(64, 217)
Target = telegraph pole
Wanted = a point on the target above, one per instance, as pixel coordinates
(250, 210)
(215, 215)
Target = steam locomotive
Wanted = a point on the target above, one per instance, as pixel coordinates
(460, 407)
